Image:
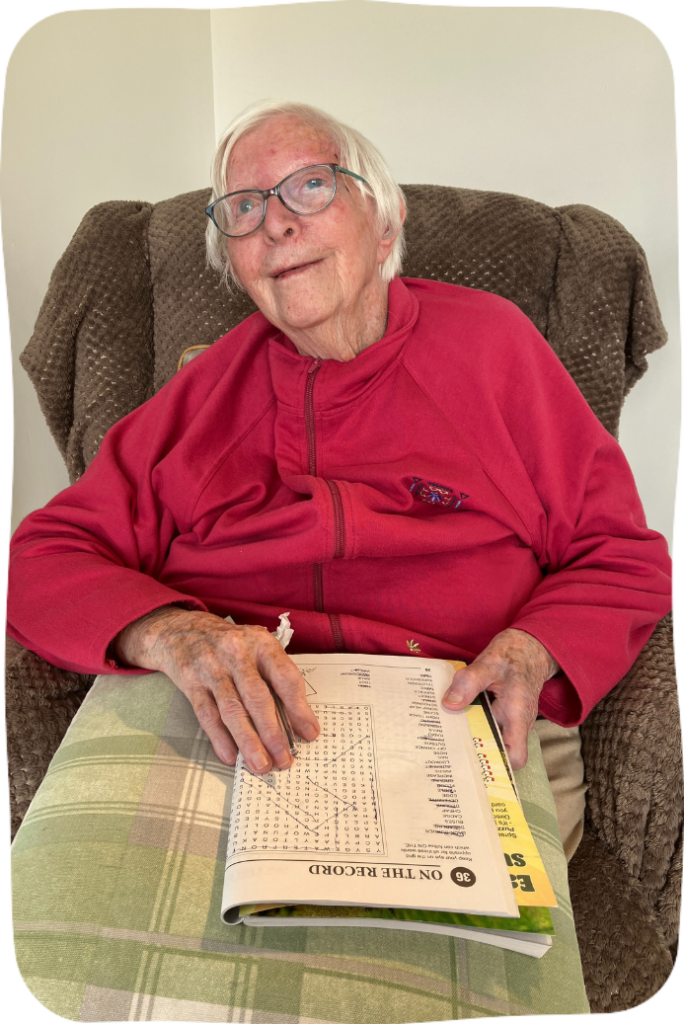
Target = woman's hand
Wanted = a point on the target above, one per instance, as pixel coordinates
(513, 669)
(223, 670)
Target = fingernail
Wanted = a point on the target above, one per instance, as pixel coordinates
(309, 731)
(284, 761)
(259, 762)
(453, 697)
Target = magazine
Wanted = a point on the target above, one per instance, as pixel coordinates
(530, 933)
(386, 809)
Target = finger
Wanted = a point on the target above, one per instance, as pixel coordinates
(263, 717)
(208, 716)
(466, 685)
(289, 683)
(513, 713)
(260, 739)
(246, 702)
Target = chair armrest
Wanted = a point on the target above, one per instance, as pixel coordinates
(625, 958)
(632, 750)
(41, 700)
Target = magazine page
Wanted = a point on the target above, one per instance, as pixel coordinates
(530, 944)
(528, 876)
(386, 808)
(532, 920)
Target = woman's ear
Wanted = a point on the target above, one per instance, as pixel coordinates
(386, 241)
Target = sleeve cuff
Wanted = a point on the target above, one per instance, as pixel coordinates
(80, 637)
(563, 700)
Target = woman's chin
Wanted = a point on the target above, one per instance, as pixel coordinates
(302, 313)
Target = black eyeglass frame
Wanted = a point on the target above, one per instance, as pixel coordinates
(275, 191)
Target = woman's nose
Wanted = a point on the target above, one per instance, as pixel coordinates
(279, 222)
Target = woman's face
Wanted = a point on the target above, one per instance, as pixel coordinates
(303, 271)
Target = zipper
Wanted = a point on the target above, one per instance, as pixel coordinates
(309, 415)
(338, 635)
(310, 427)
(338, 510)
(318, 587)
(338, 519)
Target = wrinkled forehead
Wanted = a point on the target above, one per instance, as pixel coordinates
(268, 153)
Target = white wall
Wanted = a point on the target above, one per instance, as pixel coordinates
(560, 105)
(563, 106)
(98, 105)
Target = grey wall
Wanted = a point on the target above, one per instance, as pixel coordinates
(98, 105)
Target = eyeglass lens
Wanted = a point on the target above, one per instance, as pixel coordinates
(306, 191)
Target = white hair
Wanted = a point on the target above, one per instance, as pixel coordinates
(355, 153)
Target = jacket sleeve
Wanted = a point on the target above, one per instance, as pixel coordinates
(84, 567)
(606, 575)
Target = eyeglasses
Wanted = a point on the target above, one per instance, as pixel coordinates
(308, 190)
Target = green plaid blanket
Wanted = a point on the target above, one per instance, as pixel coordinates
(118, 872)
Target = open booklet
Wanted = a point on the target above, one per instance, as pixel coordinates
(386, 812)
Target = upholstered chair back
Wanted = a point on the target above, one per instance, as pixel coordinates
(133, 291)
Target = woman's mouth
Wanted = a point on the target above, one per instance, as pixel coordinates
(295, 270)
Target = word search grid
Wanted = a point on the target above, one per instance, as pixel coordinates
(327, 802)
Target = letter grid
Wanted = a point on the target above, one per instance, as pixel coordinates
(328, 801)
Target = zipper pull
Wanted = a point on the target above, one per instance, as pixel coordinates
(314, 366)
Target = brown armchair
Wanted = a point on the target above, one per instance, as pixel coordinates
(132, 292)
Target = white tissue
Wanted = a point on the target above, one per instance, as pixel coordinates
(283, 633)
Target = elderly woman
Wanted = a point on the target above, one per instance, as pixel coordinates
(403, 465)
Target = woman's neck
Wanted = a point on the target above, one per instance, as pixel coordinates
(343, 336)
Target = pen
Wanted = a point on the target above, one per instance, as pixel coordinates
(284, 721)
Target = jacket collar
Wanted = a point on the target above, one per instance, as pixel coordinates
(338, 383)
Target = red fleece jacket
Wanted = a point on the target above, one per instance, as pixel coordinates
(448, 482)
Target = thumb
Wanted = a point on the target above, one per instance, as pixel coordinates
(466, 685)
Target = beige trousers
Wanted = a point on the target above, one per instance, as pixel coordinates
(562, 755)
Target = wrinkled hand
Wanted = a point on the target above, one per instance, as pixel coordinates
(222, 669)
(513, 669)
